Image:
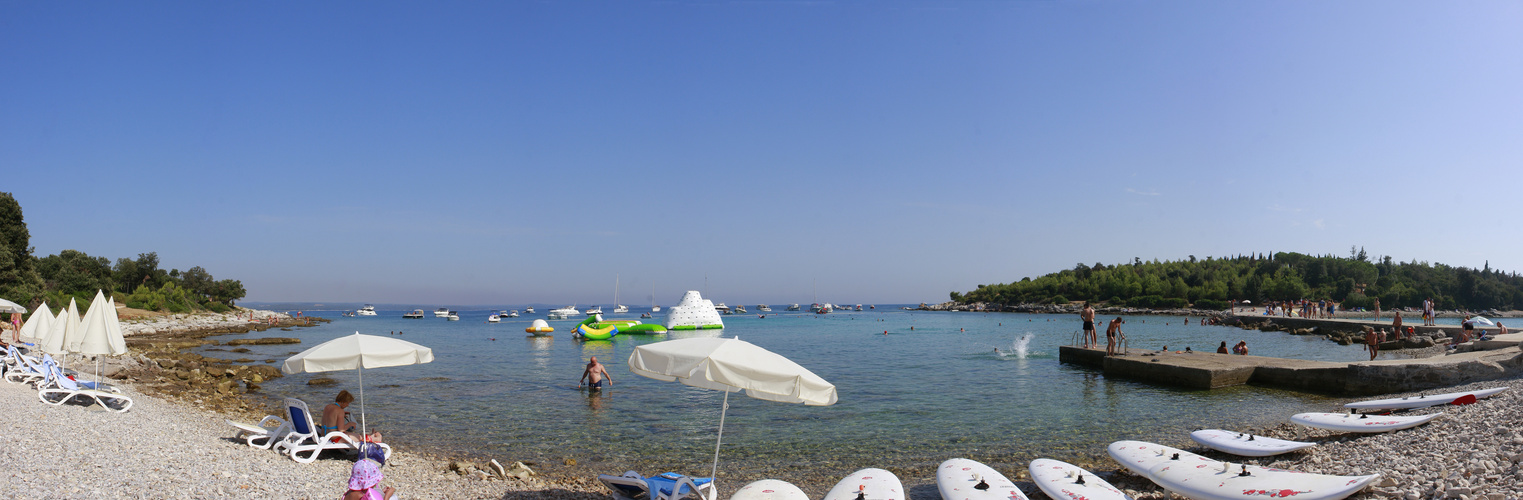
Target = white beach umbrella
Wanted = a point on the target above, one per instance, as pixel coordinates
(1481, 320)
(64, 327)
(37, 325)
(96, 337)
(731, 365)
(7, 306)
(357, 352)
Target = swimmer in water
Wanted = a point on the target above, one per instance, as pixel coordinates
(996, 351)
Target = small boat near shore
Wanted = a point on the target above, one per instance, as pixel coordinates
(763, 308)
(452, 316)
(567, 312)
(442, 312)
(493, 318)
(794, 307)
(416, 314)
(368, 310)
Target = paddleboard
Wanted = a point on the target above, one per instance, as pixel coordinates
(769, 489)
(1360, 423)
(868, 484)
(1062, 480)
(1408, 403)
(1247, 445)
(1201, 478)
(963, 479)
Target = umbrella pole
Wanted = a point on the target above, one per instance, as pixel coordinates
(713, 473)
(363, 432)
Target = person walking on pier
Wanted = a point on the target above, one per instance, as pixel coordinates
(1377, 309)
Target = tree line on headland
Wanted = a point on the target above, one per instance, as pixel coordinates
(1212, 283)
(139, 283)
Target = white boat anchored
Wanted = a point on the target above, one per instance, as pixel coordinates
(442, 312)
(453, 316)
(794, 307)
(567, 312)
(739, 310)
(617, 308)
(416, 314)
(721, 308)
(763, 308)
(594, 311)
(493, 318)
(528, 310)
(653, 307)
(513, 314)
(368, 310)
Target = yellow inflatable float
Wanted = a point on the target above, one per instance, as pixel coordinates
(539, 327)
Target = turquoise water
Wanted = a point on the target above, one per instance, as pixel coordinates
(908, 398)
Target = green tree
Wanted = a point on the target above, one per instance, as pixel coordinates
(19, 280)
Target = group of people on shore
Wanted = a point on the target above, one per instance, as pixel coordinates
(1240, 349)
(1304, 308)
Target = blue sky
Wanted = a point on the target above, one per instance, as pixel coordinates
(879, 152)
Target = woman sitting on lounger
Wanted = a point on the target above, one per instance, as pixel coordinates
(335, 418)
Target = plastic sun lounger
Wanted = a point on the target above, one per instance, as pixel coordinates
(303, 437)
(665, 486)
(56, 390)
(23, 368)
(271, 429)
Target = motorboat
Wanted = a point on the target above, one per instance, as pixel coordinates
(815, 307)
(824, 309)
(442, 312)
(514, 313)
(493, 318)
(739, 310)
(528, 310)
(870, 306)
(653, 307)
(794, 307)
(763, 308)
(859, 307)
(368, 310)
(416, 314)
(620, 309)
(596, 310)
(567, 312)
(452, 316)
(723, 309)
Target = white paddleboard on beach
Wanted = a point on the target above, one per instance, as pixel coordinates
(1246, 445)
(1360, 423)
(1201, 478)
(868, 484)
(769, 489)
(963, 479)
(1062, 480)
(1408, 403)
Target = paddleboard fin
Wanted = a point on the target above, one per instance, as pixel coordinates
(1250, 437)
(1080, 481)
(1175, 457)
(1244, 472)
(981, 485)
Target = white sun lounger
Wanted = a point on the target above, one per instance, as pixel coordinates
(23, 368)
(667, 486)
(270, 430)
(57, 389)
(305, 439)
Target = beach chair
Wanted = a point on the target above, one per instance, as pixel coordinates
(304, 437)
(28, 369)
(57, 389)
(269, 431)
(665, 486)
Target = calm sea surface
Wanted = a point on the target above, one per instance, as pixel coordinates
(911, 398)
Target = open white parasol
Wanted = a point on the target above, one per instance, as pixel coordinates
(358, 352)
(731, 365)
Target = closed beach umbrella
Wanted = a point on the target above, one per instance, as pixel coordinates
(97, 332)
(64, 327)
(731, 365)
(37, 325)
(357, 352)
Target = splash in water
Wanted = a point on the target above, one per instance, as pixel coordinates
(1017, 350)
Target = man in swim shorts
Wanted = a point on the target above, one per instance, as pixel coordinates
(1111, 333)
(594, 375)
(1088, 315)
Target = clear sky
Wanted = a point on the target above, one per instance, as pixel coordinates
(877, 151)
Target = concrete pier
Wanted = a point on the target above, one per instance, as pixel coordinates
(1209, 370)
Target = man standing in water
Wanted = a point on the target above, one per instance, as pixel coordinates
(1088, 315)
(594, 375)
(1111, 334)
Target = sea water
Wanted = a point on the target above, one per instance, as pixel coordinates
(932, 387)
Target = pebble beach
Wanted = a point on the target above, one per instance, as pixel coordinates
(173, 448)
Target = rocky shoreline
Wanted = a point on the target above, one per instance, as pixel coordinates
(181, 448)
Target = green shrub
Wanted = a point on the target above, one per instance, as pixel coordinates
(1172, 303)
(1144, 301)
(1211, 304)
(1059, 299)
